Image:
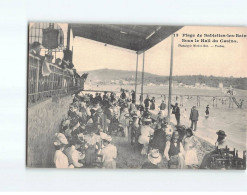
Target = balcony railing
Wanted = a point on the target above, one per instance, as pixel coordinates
(59, 82)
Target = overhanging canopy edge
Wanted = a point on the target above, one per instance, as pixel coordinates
(133, 37)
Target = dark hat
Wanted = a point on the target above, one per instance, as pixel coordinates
(222, 133)
(35, 44)
(189, 130)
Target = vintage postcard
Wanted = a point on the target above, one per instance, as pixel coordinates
(116, 96)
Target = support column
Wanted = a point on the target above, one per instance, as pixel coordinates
(170, 81)
(68, 36)
(143, 62)
(136, 75)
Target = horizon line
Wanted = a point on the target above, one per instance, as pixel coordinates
(157, 74)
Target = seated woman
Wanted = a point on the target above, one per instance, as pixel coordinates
(174, 152)
(74, 156)
(190, 143)
(93, 145)
(221, 143)
(108, 152)
(60, 159)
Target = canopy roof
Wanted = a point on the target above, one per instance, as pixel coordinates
(134, 37)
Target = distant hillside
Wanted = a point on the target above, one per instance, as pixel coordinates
(106, 75)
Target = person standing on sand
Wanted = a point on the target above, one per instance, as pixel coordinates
(163, 105)
(133, 96)
(152, 106)
(176, 111)
(146, 102)
(207, 112)
(194, 118)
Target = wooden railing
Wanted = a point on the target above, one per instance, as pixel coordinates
(59, 82)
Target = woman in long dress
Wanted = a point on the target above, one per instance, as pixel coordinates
(146, 132)
(60, 159)
(190, 144)
(152, 106)
(124, 121)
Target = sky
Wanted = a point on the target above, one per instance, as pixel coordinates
(217, 61)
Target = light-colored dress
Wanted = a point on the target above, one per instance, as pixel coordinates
(61, 160)
(124, 121)
(74, 156)
(146, 132)
(190, 144)
(90, 154)
(109, 154)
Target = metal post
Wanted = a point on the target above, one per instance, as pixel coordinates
(143, 62)
(136, 74)
(68, 36)
(170, 81)
(37, 81)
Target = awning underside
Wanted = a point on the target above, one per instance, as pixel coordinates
(134, 37)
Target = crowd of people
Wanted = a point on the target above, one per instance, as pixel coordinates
(65, 63)
(86, 135)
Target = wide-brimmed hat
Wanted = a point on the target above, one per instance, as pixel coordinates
(154, 156)
(60, 139)
(81, 137)
(147, 120)
(106, 137)
(99, 111)
(35, 44)
(221, 133)
(134, 115)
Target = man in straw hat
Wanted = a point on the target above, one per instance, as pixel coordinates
(60, 159)
(174, 152)
(108, 152)
(154, 158)
(220, 144)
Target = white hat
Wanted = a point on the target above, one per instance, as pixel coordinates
(60, 139)
(106, 137)
(147, 120)
(154, 156)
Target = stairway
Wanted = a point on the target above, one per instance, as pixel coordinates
(235, 101)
